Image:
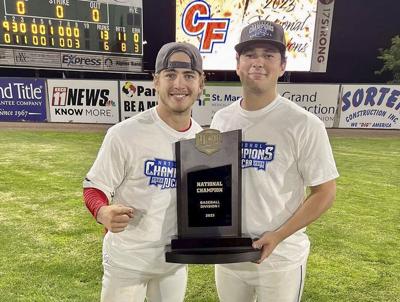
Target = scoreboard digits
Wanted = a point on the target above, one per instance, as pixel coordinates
(83, 26)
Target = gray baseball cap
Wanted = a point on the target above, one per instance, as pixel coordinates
(262, 31)
(162, 60)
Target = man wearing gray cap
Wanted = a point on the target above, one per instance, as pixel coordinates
(284, 150)
(131, 187)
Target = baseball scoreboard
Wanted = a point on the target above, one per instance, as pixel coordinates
(98, 35)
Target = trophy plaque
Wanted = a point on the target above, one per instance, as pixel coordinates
(209, 201)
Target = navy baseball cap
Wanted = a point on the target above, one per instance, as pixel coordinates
(259, 32)
(163, 62)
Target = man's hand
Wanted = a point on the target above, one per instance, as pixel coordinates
(115, 217)
(267, 243)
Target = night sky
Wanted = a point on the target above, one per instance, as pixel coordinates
(359, 29)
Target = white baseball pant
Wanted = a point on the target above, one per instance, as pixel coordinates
(127, 286)
(260, 286)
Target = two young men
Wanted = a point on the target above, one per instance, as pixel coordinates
(295, 153)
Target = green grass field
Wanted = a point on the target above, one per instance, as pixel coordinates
(50, 246)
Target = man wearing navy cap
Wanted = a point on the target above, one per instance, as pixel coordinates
(284, 150)
(131, 187)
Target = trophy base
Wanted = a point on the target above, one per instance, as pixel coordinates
(211, 250)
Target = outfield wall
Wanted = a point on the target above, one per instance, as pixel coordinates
(371, 106)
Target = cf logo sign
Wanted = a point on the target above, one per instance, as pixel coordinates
(196, 20)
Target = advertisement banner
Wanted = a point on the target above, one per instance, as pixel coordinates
(84, 101)
(81, 61)
(370, 106)
(45, 59)
(136, 96)
(122, 64)
(214, 97)
(319, 99)
(215, 26)
(22, 100)
(322, 35)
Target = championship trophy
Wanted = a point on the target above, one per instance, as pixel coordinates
(209, 201)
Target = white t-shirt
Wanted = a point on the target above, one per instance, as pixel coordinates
(136, 167)
(284, 149)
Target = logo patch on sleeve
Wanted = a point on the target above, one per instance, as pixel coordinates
(161, 172)
(257, 155)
